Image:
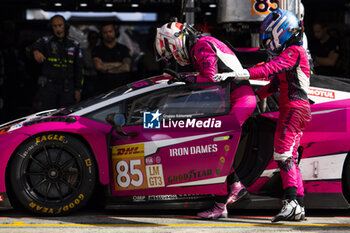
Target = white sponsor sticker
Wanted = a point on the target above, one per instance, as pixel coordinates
(155, 176)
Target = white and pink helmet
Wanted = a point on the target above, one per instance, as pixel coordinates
(172, 41)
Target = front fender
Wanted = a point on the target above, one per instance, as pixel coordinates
(8, 144)
(94, 134)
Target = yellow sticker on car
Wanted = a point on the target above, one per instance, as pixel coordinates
(131, 150)
(130, 171)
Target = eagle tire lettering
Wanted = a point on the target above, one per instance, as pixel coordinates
(53, 174)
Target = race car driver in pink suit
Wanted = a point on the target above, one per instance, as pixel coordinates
(289, 72)
(207, 55)
(210, 57)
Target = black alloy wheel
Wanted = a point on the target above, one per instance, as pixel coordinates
(53, 174)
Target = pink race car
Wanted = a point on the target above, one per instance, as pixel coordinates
(160, 145)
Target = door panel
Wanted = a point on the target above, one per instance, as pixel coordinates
(186, 147)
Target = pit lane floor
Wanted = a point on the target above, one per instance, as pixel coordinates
(171, 221)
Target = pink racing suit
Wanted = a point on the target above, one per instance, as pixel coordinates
(211, 56)
(289, 73)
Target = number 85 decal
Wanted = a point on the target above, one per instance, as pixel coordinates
(123, 177)
(129, 174)
(264, 7)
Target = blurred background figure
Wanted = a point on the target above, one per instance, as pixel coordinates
(89, 74)
(325, 50)
(147, 65)
(111, 59)
(15, 93)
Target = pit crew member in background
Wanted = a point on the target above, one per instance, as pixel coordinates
(61, 59)
(325, 50)
(210, 57)
(111, 59)
(289, 72)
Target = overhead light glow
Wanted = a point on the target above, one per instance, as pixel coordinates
(134, 5)
(208, 13)
(83, 4)
(58, 4)
(109, 5)
(212, 5)
(35, 14)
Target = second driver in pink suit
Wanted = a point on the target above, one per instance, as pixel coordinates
(289, 72)
(210, 57)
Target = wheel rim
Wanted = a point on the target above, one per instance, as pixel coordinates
(52, 174)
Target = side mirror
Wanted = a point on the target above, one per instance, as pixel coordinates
(117, 120)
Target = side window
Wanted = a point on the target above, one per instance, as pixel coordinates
(101, 114)
(180, 102)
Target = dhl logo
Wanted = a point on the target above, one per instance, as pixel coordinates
(133, 150)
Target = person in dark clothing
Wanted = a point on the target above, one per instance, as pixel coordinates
(61, 59)
(111, 59)
(90, 73)
(325, 50)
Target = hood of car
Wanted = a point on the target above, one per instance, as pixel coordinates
(19, 123)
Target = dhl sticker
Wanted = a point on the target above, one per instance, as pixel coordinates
(131, 150)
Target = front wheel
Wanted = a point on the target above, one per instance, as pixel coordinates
(53, 174)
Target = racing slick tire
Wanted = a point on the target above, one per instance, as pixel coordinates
(53, 174)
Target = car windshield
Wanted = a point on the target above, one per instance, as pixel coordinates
(107, 95)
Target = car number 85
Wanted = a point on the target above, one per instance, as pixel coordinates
(123, 178)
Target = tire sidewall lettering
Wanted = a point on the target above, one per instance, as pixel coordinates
(43, 209)
(83, 157)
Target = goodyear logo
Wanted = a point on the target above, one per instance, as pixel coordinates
(132, 150)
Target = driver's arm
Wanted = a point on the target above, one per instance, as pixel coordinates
(286, 60)
(205, 61)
